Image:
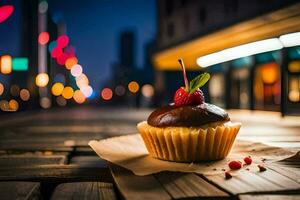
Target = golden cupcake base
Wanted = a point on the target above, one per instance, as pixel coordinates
(189, 144)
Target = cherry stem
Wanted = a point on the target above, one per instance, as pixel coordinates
(186, 82)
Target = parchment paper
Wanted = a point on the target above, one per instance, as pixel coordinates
(130, 152)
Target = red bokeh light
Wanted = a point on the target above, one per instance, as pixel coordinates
(62, 41)
(106, 94)
(43, 38)
(62, 59)
(5, 12)
(56, 52)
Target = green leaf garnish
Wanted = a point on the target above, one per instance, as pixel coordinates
(198, 82)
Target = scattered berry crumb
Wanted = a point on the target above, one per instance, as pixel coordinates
(228, 175)
(248, 160)
(214, 169)
(261, 168)
(247, 169)
(224, 170)
(235, 165)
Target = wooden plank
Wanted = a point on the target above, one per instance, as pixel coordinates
(30, 160)
(19, 145)
(288, 171)
(187, 185)
(86, 151)
(134, 187)
(91, 161)
(84, 190)
(20, 190)
(254, 181)
(270, 197)
(55, 173)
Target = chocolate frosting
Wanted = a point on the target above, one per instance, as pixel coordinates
(197, 115)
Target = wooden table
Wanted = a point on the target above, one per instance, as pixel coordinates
(45, 155)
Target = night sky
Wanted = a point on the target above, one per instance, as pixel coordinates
(94, 27)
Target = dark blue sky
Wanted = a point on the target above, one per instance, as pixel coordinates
(94, 27)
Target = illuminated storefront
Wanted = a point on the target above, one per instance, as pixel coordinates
(292, 95)
(267, 82)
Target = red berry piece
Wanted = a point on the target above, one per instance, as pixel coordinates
(182, 97)
(190, 94)
(235, 165)
(228, 175)
(248, 160)
(261, 168)
(197, 97)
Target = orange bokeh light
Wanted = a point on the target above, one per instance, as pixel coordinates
(6, 64)
(270, 73)
(133, 87)
(68, 92)
(57, 89)
(13, 105)
(24, 94)
(70, 62)
(79, 97)
(1, 88)
(106, 94)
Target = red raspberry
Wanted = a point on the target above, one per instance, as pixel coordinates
(235, 165)
(248, 160)
(183, 97)
(198, 97)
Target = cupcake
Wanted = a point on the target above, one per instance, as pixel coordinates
(189, 130)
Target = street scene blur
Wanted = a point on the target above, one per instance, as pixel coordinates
(75, 71)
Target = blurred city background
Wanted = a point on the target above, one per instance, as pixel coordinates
(56, 54)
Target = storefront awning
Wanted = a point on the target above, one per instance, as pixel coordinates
(271, 25)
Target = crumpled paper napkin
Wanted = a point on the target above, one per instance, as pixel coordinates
(130, 152)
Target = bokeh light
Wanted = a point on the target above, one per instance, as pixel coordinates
(43, 7)
(106, 94)
(68, 92)
(79, 97)
(42, 80)
(6, 64)
(148, 90)
(14, 90)
(45, 102)
(76, 70)
(70, 62)
(5, 11)
(4, 106)
(70, 50)
(43, 38)
(120, 90)
(1, 88)
(51, 46)
(24, 94)
(62, 41)
(61, 101)
(87, 91)
(56, 52)
(133, 87)
(61, 60)
(13, 105)
(82, 80)
(57, 89)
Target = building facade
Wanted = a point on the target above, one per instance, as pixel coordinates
(191, 29)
